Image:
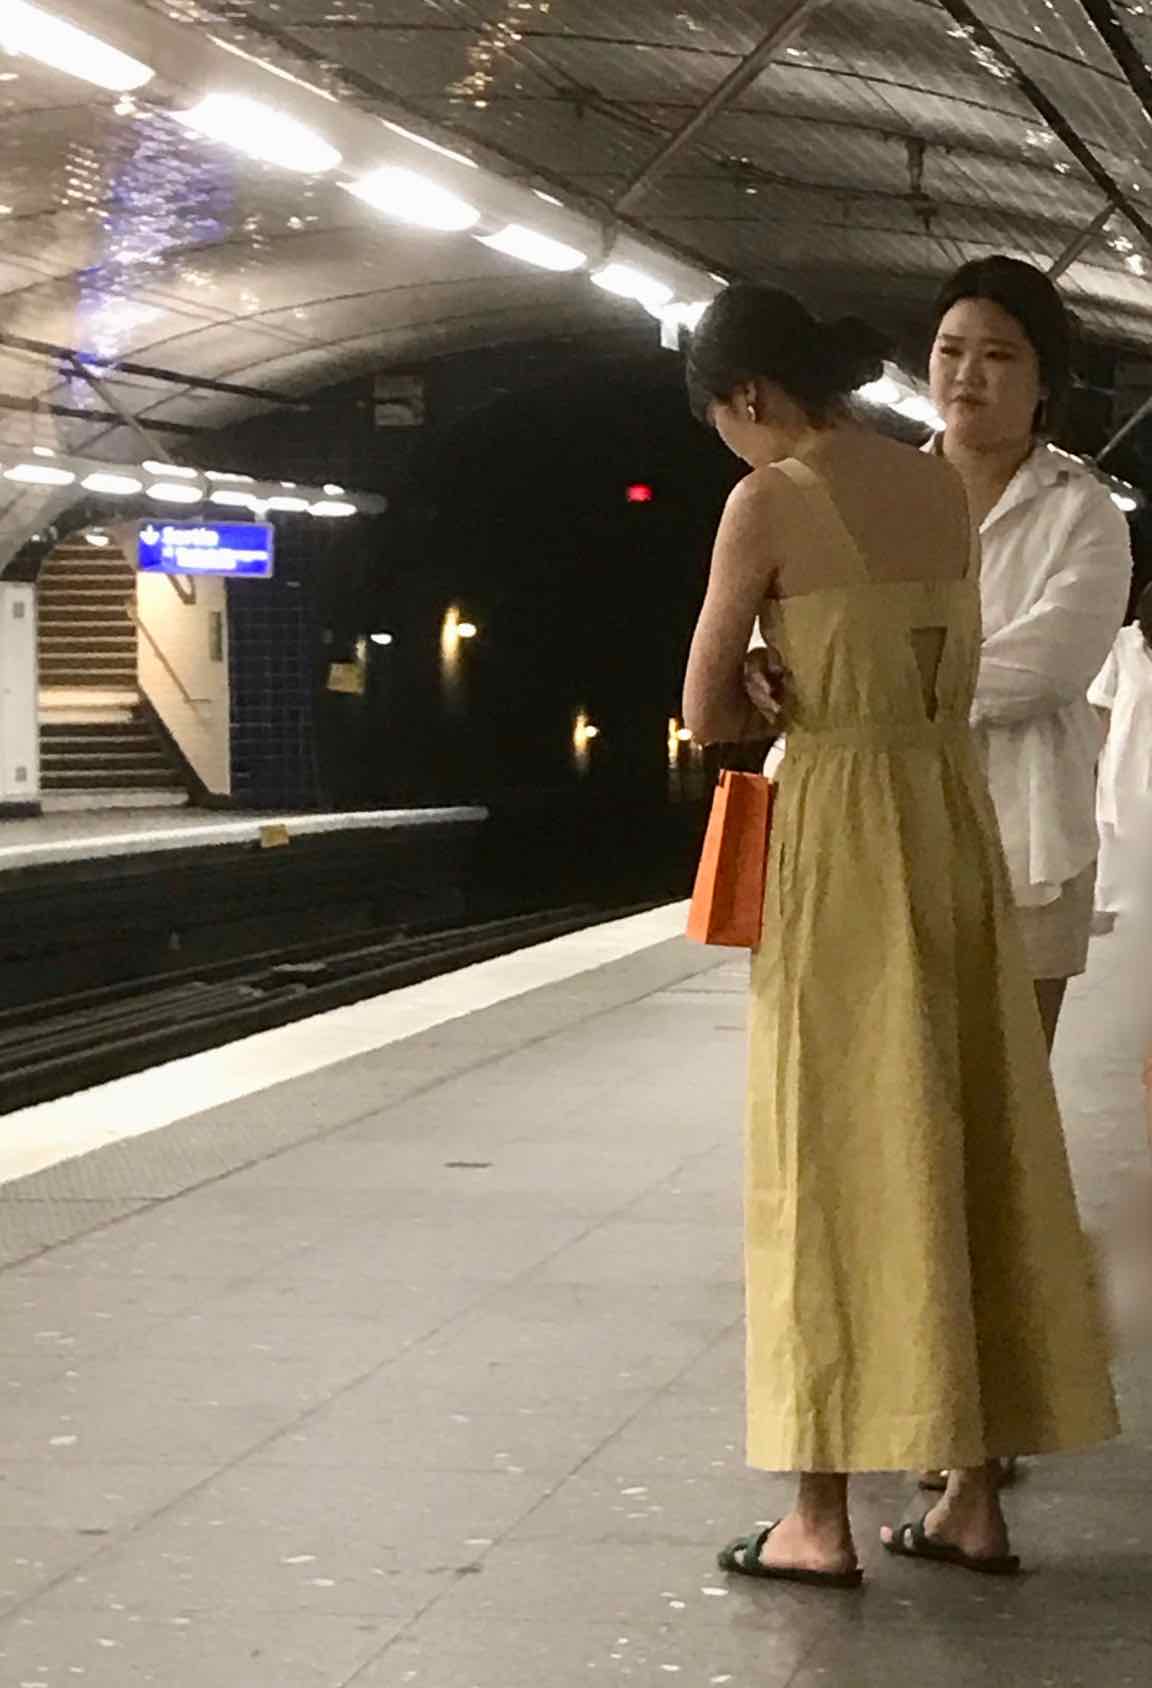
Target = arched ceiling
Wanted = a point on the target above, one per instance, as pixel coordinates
(856, 149)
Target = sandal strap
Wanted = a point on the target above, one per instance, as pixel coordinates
(755, 1544)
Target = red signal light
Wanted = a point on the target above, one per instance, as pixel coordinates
(639, 494)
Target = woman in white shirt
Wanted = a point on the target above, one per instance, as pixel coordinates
(1123, 691)
(1055, 580)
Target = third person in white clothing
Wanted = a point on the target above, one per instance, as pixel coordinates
(1123, 694)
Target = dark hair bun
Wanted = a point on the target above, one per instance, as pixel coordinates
(857, 350)
(760, 333)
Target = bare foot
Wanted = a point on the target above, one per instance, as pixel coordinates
(803, 1545)
(968, 1517)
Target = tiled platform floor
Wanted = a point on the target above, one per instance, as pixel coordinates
(425, 1369)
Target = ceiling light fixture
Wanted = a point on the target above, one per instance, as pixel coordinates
(175, 492)
(331, 507)
(39, 474)
(60, 45)
(261, 132)
(412, 198)
(116, 486)
(516, 241)
(432, 146)
(676, 318)
(884, 392)
(629, 283)
(236, 500)
(176, 470)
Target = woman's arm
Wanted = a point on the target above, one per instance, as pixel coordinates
(717, 709)
(1049, 657)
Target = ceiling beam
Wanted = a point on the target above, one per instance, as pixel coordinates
(73, 413)
(1076, 248)
(1128, 57)
(793, 15)
(70, 356)
(977, 30)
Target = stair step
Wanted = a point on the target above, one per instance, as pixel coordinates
(99, 576)
(94, 681)
(78, 618)
(95, 674)
(98, 733)
(84, 592)
(68, 644)
(54, 621)
(87, 570)
(89, 750)
(132, 749)
(97, 779)
(80, 660)
(86, 603)
(78, 802)
(89, 705)
(81, 556)
(115, 579)
(87, 583)
(75, 615)
(91, 770)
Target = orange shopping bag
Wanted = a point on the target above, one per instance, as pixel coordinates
(728, 900)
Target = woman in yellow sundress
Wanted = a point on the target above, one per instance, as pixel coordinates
(918, 1287)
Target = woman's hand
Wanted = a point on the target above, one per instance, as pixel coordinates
(767, 684)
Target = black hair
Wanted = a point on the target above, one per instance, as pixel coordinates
(1144, 614)
(1028, 296)
(760, 333)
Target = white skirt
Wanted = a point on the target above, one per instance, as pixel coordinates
(1056, 936)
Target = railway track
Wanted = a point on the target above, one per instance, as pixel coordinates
(54, 1047)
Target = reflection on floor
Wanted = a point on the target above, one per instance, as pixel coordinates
(426, 1369)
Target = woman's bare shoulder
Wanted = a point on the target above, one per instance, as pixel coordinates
(928, 467)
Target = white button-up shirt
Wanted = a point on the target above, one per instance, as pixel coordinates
(1124, 687)
(1054, 584)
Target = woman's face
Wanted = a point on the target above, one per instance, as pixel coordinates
(985, 376)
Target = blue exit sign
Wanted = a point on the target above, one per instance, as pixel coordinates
(241, 550)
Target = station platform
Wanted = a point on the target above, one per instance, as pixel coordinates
(58, 839)
(404, 1347)
(94, 905)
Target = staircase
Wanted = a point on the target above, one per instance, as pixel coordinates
(98, 749)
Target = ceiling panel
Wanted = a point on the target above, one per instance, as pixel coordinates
(880, 145)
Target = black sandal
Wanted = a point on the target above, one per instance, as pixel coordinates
(751, 1566)
(912, 1541)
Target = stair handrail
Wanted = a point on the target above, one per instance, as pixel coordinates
(133, 615)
